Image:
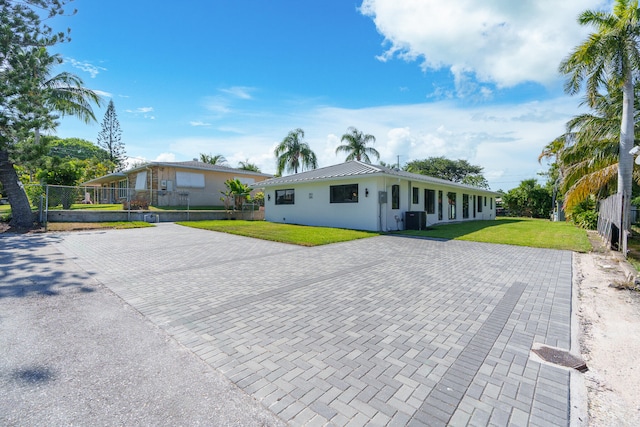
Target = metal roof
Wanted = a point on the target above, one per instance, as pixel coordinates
(356, 168)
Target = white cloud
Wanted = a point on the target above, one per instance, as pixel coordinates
(242, 92)
(217, 104)
(103, 93)
(144, 111)
(140, 110)
(165, 157)
(199, 124)
(504, 42)
(86, 66)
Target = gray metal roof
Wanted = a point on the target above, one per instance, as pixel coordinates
(356, 168)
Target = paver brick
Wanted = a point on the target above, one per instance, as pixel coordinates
(372, 321)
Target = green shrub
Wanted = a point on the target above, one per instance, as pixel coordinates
(587, 220)
(585, 215)
(34, 191)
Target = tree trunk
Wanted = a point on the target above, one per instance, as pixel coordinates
(21, 215)
(625, 159)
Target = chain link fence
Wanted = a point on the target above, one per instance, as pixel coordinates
(47, 198)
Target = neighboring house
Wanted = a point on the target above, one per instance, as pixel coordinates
(171, 183)
(362, 196)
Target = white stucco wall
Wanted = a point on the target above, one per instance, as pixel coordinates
(312, 204)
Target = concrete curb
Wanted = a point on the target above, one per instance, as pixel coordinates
(578, 399)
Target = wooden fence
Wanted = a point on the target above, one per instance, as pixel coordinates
(610, 226)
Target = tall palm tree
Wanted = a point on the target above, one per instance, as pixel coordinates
(211, 159)
(293, 153)
(610, 56)
(49, 97)
(356, 146)
(587, 155)
(66, 95)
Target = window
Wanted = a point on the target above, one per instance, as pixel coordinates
(465, 206)
(491, 203)
(122, 189)
(141, 180)
(395, 197)
(188, 179)
(440, 205)
(430, 201)
(452, 205)
(474, 203)
(285, 197)
(485, 201)
(479, 204)
(343, 193)
(416, 195)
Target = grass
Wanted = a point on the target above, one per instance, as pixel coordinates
(95, 207)
(184, 208)
(6, 209)
(536, 233)
(75, 226)
(285, 233)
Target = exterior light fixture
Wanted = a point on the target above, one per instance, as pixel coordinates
(366, 192)
(268, 196)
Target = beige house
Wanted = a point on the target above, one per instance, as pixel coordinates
(191, 183)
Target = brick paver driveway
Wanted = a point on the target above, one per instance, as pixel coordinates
(386, 330)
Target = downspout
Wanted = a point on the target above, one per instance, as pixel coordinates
(384, 188)
(150, 185)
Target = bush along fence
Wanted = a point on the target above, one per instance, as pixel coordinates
(59, 203)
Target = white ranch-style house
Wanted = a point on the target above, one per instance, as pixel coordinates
(362, 196)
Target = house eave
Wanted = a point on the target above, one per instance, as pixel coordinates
(105, 179)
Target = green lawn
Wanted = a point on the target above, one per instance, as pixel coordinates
(184, 208)
(118, 207)
(96, 207)
(511, 231)
(536, 233)
(285, 233)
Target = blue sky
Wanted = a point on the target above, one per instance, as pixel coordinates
(459, 78)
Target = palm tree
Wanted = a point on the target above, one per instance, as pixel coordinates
(248, 166)
(217, 159)
(66, 94)
(587, 155)
(293, 154)
(609, 57)
(356, 145)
